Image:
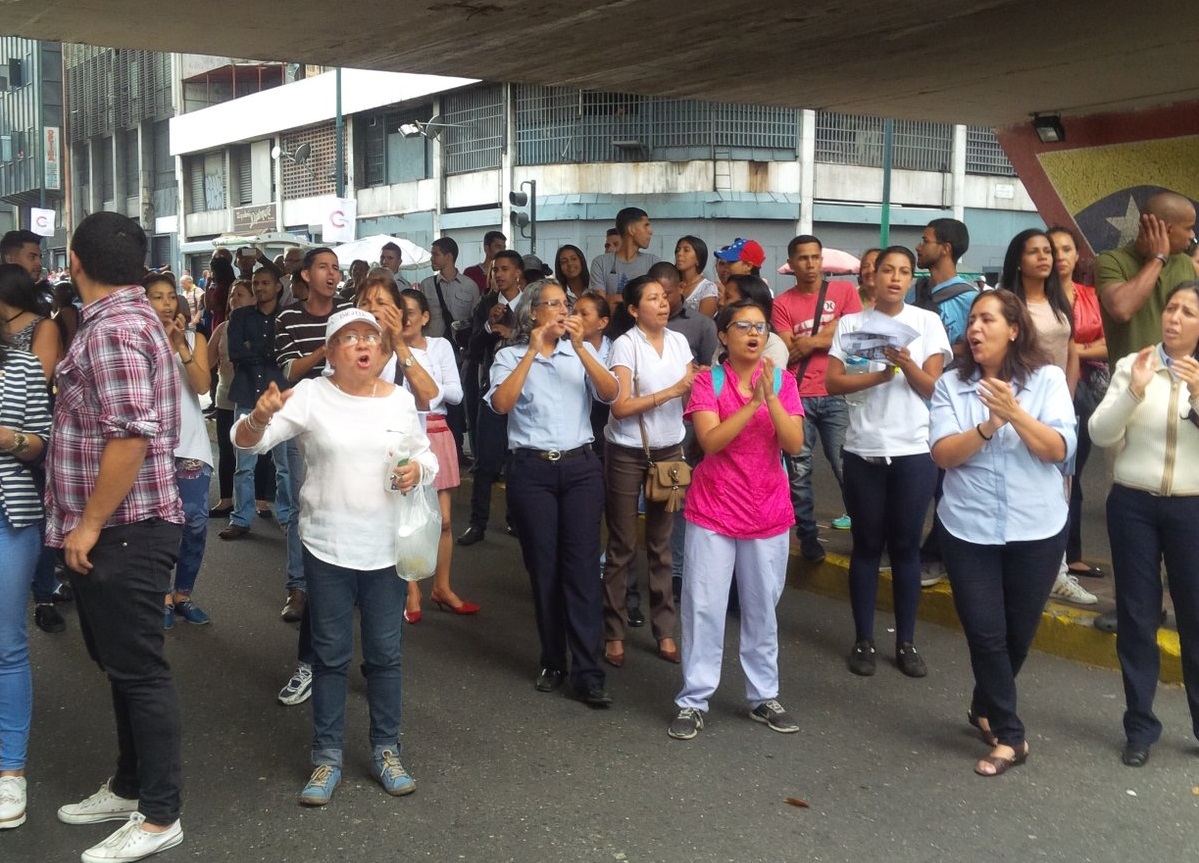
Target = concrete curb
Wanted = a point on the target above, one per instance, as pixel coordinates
(1065, 631)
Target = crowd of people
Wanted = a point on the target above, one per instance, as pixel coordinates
(598, 390)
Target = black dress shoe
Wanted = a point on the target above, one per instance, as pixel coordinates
(47, 618)
(594, 697)
(636, 618)
(1135, 755)
(548, 680)
(471, 535)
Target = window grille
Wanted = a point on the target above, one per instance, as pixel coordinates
(194, 172)
(107, 189)
(240, 156)
(984, 155)
(473, 138)
(316, 176)
(129, 158)
(849, 139)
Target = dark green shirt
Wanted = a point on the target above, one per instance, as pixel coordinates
(1144, 328)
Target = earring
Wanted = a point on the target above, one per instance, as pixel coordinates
(1012, 339)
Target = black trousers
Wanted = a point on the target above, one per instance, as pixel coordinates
(1000, 592)
(556, 507)
(491, 448)
(120, 614)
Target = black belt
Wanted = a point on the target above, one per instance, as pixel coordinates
(554, 454)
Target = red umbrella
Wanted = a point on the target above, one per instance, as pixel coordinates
(832, 261)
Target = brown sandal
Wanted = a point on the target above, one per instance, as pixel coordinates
(616, 660)
(984, 733)
(1002, 764)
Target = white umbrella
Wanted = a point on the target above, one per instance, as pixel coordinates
(370, 248)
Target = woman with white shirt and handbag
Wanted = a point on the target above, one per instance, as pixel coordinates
(1152, 409)
(654, 367)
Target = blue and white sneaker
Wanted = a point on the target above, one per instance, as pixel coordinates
(321, 785)
(842, 522)
(192, 613)
(386, 767)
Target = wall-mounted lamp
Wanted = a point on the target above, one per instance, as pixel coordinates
(299, 155)
(1049, 129)
(430, 128)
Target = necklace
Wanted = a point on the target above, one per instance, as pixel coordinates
(14, 317)
(370, 395)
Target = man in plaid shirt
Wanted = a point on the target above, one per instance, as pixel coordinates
(112, 505)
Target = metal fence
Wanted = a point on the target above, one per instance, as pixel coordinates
(852, 139)
(566, 125)
(984, 155)
(473, 136)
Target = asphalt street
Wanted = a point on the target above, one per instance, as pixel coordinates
(504, 773)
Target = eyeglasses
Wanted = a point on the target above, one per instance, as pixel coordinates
(366, 338)
(554, 304)
(747, 327)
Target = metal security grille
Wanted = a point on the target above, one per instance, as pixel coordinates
(850, 139)
(562, 124)
(473, 139)
(115, 89)
(317, 175)
(984, 155)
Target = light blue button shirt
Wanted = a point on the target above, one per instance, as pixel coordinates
(1003, 493)
(554, 407)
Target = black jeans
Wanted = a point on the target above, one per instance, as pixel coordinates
(887, 503)
(491, 448)
(1146, 529)
(1000, 593)
(1074, 537)
(120, 614)
(556, 508)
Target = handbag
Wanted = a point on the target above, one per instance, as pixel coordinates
(1092, 387)
(665, 481)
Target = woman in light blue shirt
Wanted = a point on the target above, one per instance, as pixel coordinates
(1001, 427)
(545, 383)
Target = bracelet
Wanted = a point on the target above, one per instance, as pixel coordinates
(979, 428)
(253, 425)
(654, 398)
(189, 360)
(20, 443)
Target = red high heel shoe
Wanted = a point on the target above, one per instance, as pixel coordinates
(463, 607)
(412, 616)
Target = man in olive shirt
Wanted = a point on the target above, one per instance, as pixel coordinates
(1133, 281)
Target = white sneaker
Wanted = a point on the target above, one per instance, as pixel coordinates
(101, 806)
(932, 573)
(12, 802)
(131, 842)
(1067, 589)
(298, 689)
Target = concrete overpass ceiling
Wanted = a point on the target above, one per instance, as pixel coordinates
(990, 62)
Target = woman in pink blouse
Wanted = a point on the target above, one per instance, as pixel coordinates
(1091, 349)
(744, 412)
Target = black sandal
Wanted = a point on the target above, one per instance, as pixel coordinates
(1002, 764)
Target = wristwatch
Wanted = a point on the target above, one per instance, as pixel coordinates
(1165, 259)
(407, 363)
(20, 443)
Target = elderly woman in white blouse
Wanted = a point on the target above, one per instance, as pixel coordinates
(347, 422)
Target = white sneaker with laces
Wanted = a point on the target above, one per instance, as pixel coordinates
(101, 806)
(1067, 589)
(932, 573)
(12, 802)
(298, 689)
(131, 842)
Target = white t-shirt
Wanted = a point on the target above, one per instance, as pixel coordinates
(893, 419)
(346, 511)
(193, 433)
(651, 373)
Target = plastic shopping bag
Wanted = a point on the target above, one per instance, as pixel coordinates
(418, 528)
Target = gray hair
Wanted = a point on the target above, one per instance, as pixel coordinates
(530, 297)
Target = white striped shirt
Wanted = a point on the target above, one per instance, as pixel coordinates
(24, 407)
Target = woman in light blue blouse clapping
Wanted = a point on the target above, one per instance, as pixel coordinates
(1000, 427)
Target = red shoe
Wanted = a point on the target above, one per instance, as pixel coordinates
(463, 606)
(412, 616)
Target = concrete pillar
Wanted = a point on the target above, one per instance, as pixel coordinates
(807, 171)
(958, 169)
(508, 165)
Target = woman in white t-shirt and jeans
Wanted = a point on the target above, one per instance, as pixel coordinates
(889, 476)
(654, 369)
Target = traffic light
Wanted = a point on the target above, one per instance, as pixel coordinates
(526, 216)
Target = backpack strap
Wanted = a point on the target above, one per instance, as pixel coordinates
(717, 379)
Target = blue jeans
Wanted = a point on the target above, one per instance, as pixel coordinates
(193, 494)
(19, 549)
(1146, 529)
(333, 592)
(243, 484)
(289, 516)
(828, 416)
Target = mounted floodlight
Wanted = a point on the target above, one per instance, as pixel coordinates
(299, 155)
(430, 128)
(1049, 129)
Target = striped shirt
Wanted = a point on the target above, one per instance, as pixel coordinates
(298, 334)
(24, 407)
(117, 381)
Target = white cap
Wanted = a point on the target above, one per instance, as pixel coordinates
(337, 320)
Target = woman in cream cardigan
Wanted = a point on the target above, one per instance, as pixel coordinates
(1153, 510)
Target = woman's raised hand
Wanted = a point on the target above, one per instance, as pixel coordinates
(270, 403)
(1142, 370)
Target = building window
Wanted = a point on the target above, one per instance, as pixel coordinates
(984, 155)
(473, 139)
(386, 156)
(851, 139)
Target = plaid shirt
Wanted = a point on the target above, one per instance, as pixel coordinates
(118, 380)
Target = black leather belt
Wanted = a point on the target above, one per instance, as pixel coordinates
(554, 454)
